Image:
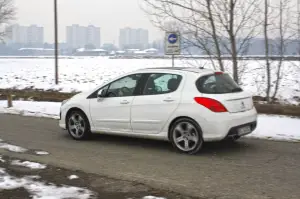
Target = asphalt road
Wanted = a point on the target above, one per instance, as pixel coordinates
(250, 169)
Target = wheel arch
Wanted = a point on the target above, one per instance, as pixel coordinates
(182, 117)
(75, 109)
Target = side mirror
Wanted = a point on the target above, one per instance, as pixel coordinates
(101, 93)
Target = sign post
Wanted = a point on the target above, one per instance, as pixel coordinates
(172, 44)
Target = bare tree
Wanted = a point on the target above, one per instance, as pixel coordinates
(277, 22)
(238, 20)
(267, 49)
(197, 26)
(217, 27)
(283, 27)
(7, 13)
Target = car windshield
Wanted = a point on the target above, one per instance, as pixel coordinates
(217, 84)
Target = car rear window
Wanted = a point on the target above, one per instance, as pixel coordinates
(217, 84)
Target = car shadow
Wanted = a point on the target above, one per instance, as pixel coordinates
(220, 148)
(227, 147)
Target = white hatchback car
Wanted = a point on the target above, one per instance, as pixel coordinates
(186, 106)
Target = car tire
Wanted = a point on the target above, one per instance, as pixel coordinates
(186, 136)
(78, 125)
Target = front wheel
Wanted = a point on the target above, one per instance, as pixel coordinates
(186, 136)
(78, 125)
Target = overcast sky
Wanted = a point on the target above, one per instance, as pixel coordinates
(110, 15)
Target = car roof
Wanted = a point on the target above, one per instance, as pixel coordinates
(188, 69)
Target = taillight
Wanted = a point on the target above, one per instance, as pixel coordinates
(218, 73)
(211, 104)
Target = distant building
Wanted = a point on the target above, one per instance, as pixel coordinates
(36, 51)
(29, 35)
(90, 52)
(133, 38)
(80, 36)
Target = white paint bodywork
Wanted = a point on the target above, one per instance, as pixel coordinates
(150, 116)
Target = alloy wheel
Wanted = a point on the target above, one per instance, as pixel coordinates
(185, 136)
(77, 125)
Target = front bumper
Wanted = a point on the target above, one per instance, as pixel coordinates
(62, 123)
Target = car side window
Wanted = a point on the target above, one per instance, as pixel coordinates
(162, 83)
(123, 87)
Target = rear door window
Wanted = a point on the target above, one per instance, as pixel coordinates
(162, 83)
(217, 84)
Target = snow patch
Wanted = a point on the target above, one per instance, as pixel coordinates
(12, 148)
(1, 159)
(2, 170)
(71, 177)
(40, 190)
(28, 164)
(41, 153)
(281, 128)
(153, 197)
(35, 109)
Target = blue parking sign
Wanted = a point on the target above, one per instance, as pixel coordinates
(172, 38)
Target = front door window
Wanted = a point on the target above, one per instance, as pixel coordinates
(123, 87)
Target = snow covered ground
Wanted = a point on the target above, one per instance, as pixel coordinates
(72, 177)
(27, 108)
(39, 189)
(34, 184)
(37, 186)
(269, 127)
(80, 74)
(12, 148)
(41, 153)
(28, 164)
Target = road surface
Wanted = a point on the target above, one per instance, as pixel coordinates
(250, 169)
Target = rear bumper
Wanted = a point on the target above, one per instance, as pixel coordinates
(223, 126)
(233, 132)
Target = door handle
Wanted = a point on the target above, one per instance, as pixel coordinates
(169, 99)
(124, 102)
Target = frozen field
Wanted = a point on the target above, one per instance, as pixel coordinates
(79, 74)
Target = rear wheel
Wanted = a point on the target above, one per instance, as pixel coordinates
(186, 136)
(78, 125)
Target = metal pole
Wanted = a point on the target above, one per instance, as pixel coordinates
(56, 41)
(172, 60)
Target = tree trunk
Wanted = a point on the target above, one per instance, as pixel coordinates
(281, 51)
(268, 72)
(215, 36)
(9, 99)
(233, 43)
